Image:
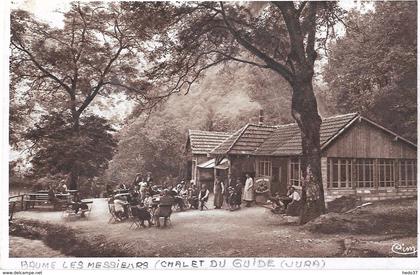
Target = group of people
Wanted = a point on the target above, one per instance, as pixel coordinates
(55, 196)
(289, 204)
(232, 194)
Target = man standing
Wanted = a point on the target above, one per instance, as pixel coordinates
(218, 190)
(248, 190)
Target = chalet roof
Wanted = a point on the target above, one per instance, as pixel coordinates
(282, 140)
(245, 141)
(202, 142)
(287, 140)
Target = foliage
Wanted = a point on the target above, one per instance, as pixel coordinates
(60, 150)
(225, 99)
(62, 70)
(373, 68)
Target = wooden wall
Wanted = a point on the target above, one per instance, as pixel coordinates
(364, 140)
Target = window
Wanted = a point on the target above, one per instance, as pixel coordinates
(407, 170)
(339, 173)
(264, 168)
(364, 172)
(386, 173)
(295, 174)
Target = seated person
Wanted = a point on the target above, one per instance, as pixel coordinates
(294, 206)
(148, 201)
(120, 206)
(203, 196)
(164, 208)
(141, 213)
(79, 205)
(278, 205)
(63, 188)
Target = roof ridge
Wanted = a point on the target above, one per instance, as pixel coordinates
(342, 115)
(219, 132)
(262, 125)
(234, 133)
(339, 131)
(241, 131)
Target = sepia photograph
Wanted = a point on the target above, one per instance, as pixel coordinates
(206, 129)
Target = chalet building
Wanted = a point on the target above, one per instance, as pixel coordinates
(201, 167)
(359, 157)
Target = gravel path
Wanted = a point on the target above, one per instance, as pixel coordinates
(248, 232)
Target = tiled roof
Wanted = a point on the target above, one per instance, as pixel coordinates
(245, 141)
(292, 144)
(202, 142)
(282, 140)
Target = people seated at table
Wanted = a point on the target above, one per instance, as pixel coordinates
(78, 205)
(203, 196)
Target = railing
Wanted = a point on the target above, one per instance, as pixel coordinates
(18, 201)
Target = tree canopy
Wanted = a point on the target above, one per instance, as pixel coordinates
(372, 69)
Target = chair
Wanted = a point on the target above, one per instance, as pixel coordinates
(111, 209)
(133, 216)
(163, 211)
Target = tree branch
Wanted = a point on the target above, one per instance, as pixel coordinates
(271, 63)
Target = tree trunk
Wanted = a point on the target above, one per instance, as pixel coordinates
(74, 171)
(305, 112)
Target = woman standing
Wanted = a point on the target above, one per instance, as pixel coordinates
(218, 192)
(248, 191)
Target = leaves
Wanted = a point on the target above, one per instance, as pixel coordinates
(60, 149)
(372, 69)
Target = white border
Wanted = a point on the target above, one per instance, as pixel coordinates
(370, 264)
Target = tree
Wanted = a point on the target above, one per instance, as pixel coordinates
(61, 150)
(63, 70)
(279, 36)
(373, 68)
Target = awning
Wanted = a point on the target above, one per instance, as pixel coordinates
(211, 164)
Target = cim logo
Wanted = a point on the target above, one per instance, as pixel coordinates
(402, 249)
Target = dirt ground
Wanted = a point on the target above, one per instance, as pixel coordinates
(248, 232)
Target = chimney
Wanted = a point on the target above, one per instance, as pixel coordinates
(261, 117)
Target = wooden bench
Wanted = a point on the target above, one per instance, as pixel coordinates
(32, 199)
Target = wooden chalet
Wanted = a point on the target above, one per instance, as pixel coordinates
(359, 157)
(201, 166)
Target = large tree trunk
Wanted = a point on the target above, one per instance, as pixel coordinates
(305, 112)
(74, 171)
